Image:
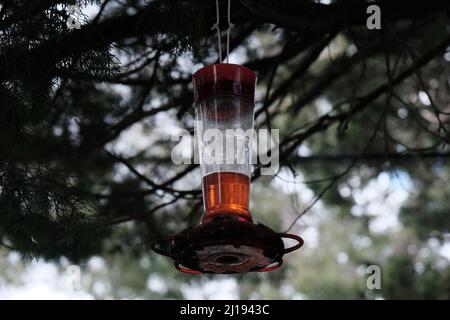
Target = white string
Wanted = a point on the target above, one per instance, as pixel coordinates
(216, 26)
(230, 26)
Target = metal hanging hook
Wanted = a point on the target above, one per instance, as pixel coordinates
(216, 26)
(230, 26)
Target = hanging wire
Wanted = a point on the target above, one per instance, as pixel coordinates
(230, 26)
(216, 26)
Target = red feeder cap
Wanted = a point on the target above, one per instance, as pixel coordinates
(224, 79)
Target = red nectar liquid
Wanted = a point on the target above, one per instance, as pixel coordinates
(226, 193)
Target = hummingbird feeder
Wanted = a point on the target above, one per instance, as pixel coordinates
(227, 240)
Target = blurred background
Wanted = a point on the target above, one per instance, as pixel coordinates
(91, 98)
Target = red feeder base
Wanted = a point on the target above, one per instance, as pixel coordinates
(226, 245)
